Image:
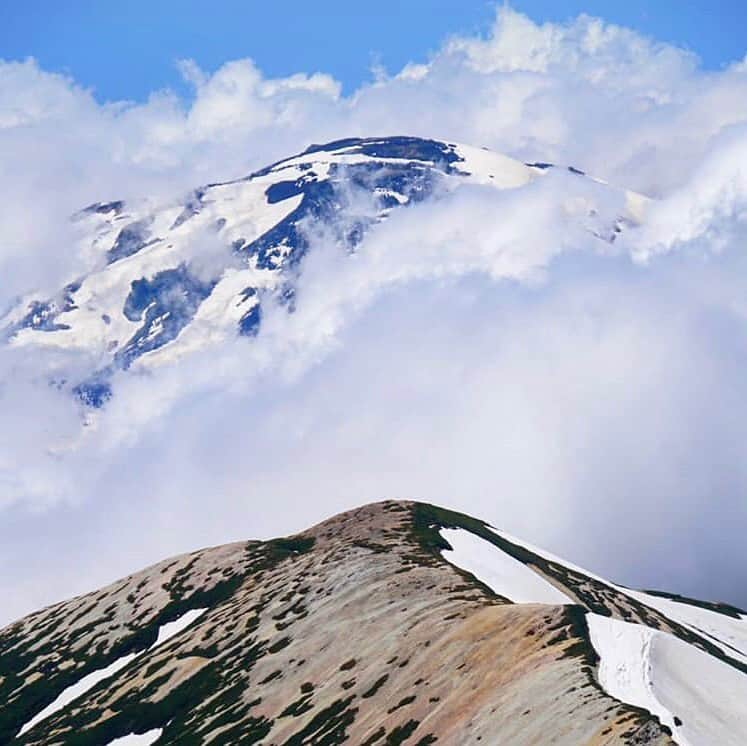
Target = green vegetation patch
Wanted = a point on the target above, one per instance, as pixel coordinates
(375, 687)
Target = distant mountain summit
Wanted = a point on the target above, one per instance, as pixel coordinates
(169, 280)
(396, 623)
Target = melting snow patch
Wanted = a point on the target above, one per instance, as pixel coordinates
(624, 665)
(138, 739)
(708, 695)
(726, 632)
(507, 576)
(549, 556)
(702, 699)
(729, 633)
(167, 631)
(77, 689)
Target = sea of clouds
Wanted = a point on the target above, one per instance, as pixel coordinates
(482, 350)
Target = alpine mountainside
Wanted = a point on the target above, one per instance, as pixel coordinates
(397, 622)
(168, 280)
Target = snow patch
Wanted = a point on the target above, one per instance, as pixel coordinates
(708, 695)
(728, 633)
(495, 169)
(507, 576)
(699, 697)
(77, 690)
(625, 666)
(165, 632)
(138, 739)
(553, 558)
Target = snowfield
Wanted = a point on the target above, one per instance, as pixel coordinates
(505, 575)
(709, 696)
(625, 664)
(701, 698)
(729, 633)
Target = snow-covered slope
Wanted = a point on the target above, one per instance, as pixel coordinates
(681, 660)
(169, 280)
(395, 623)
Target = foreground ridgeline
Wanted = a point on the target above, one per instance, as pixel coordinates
(395, 623)
(169, 280)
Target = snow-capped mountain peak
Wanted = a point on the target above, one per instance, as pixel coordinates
(171, 279)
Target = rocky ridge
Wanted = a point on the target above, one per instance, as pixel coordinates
(359, 630)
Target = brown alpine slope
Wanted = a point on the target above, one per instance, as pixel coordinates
(356, 631)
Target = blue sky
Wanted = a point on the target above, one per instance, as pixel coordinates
(126, 50)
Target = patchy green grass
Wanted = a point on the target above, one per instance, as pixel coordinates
(133, 713)
(375, 686)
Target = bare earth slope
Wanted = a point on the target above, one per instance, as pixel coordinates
(359, 630)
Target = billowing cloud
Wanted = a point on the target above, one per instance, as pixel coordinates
(482, 350)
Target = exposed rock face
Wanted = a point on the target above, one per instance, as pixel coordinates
(357, 630)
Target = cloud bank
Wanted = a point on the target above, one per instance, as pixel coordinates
(481, 351)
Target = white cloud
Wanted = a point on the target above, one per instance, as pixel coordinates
(483, 351)
(710, 209)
